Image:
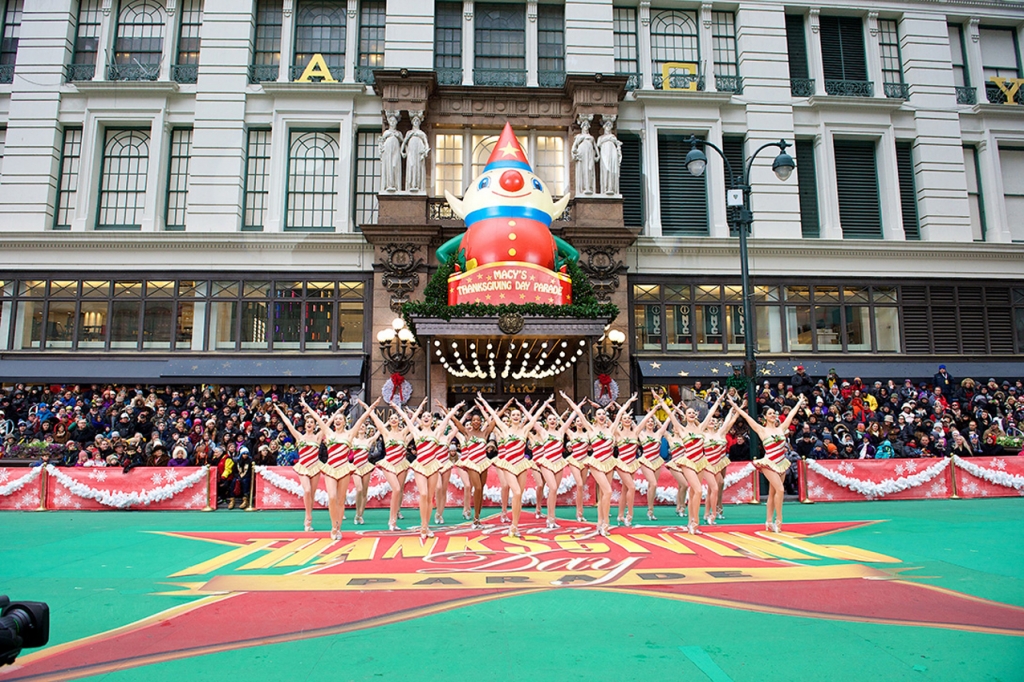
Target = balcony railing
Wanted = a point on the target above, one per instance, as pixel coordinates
(449, 76)
(499, 77)
(438, 209)
(262, 73)
(133, 72)
(79, 72)
(997, 96)
(678, 81)
(364, 74)
(966, 95)
(551, 79)
(850, 88)
(337, 72)
(897, 90)
(6, 73)
(634, 81)
(801, 87)
(733, 84)
(185, 73)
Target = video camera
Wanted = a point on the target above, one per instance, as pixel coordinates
(23, 625)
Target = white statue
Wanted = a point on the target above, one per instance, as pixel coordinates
(584, 153)
(415, 149)
(389, 147)
(609, 148)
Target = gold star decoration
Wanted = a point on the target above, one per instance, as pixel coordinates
(683, 373)
(522, 297)
(765, 372)
(509, 150)
(770, 362)
(501, 295)
(714, 370)
(794, 368)
(655, 365)
(728, 364)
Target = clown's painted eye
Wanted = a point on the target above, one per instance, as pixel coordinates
(536, 184)
(484, 182)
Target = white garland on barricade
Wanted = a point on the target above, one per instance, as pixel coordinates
(994, 476)
(887, 486)
(374, 492)
(668, 495)
(493, 493)
(120, 499)
(17, 484)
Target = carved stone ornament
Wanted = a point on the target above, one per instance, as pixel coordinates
(400, 264)
(511, 323)
(603, 269)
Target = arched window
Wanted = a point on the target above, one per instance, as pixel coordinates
(123, 180)
(312, 172)
(320, 29)
(139, 45)
(673, 39)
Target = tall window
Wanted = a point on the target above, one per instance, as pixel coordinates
(674, 40)
(9, 40)
(87, 41)
(312, 176)
(727, 67)
(843, 57)
(806, 176)
(186, 67)
(796, 46)
(908, 191)
(892, 61)
(549, 162)
(320, 27)
(266, 53)
(974, 193)
(551, 46)
(139, 44)
(123, 180)
(1000, 58)
(67, 183)
(631, 180)
(860, 211)
(1011, 161)
(684, 198)
(177, 178)
(257, 177)
(965, 94)
(500, 37)
(368, 167)
(626, 62)
(732, 145)
(546, 153)
(372, 14)
(448, 164)
(448, 43)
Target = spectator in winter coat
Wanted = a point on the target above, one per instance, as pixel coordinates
(943, 381)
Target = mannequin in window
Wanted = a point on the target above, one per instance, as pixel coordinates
(415, 149)
(389, 147)
(610, 150)
(584, 153)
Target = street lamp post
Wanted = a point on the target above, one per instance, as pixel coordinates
(738, 197)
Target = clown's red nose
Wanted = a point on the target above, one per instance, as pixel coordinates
(511, 181)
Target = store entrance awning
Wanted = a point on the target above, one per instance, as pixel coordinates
(683, 370)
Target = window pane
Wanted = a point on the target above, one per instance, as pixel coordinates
(550, 163)
(157, 325)
(255, 289)
(886, 294)
(160, 289)
(32, 288)
(254, 325)
(680, 326)
(798, 327)
(222, 324)
(287, 324)
(737, 333)
(63, 288)
(177, 178)
(826, 294)
(29, 331)
(828, 328)
(350, 290)
(257, 176)
(225, 289)
(123, 179)
(769, 328)
(320, 28)
(483, 145)
(368, 170)
(185, 325)
(312, 171)
(647, 320)
(710, 324)
(625, 40)
(92, 324)
(350, 325)
(500, 39)
(124, 324)
(448, 164)
(318, 324)
(60, 324)
(140, 37)
(858, 328)
(647, 292)
(267, 45)
(887, 327)
(67, 188)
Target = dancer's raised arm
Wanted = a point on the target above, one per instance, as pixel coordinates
(316, 417)
(670, 411)
(622, 411)
(584, 422)
(448, 417)
(751, 422)
(534, 418)
(368, 413)
(288, 423)
(792, 413)
(711, 413)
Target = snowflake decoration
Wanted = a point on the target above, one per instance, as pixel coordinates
(78, 505)
(157, 478)
(100, 475)
(911, 467)
(999, 464)
(845, 467)
(63, 500)
(409, 499)
(900, 469)
(971, 488)
(816, 490)
(29, 499)
(745, 493)
(830, 497)
(936, 489)
(4, 475)
(170, 475)
(271, 499)
(984, 493)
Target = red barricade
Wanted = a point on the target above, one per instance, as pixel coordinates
(853, 480)
(20, 488)
(989, 476)
(156, 488)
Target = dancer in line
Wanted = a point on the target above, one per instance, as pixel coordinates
(361, 441)
(602, 461)
(548, 448)
(429, 445)
(773, 464)
(473, 459)
(628, 461)
(394, 465)
(579, 453)
(512, 453)
(717, 460)
(308, 464)
(686, 446)
(447, 457)
(651, 435)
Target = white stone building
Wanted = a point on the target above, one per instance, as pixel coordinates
(176, 207)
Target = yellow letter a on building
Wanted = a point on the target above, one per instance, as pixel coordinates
(316, 68)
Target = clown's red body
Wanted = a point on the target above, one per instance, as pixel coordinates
(519, 239)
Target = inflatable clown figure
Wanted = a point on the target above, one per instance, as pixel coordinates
(508, 213)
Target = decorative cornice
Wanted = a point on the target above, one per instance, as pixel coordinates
(12, 242)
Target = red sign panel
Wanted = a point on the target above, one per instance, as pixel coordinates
(509, 282)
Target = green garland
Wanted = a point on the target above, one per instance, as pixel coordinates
(435, 301)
